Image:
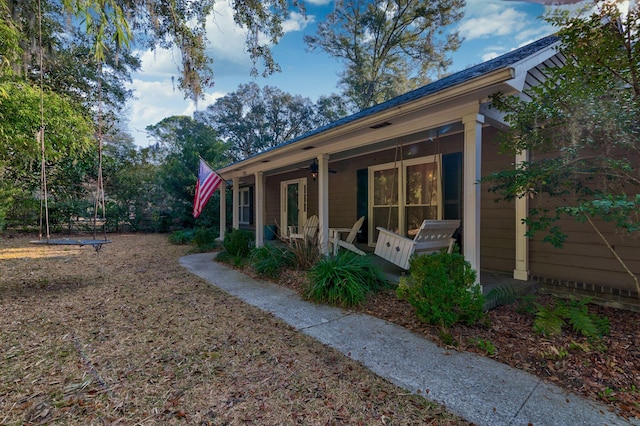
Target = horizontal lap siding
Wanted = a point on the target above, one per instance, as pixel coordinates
(585, 258)
(272, 200)
(342, 198)
(497, 220)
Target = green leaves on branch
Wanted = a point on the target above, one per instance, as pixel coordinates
(68, 132)
(10, 49)
(623, 210)
(104, 21)
(579, 127)
(182, 23)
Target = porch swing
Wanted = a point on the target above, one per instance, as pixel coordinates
(431, 236)
(44, 205)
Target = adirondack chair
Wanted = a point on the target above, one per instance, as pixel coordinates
(335, 235)
(433, 235)
(306, 232)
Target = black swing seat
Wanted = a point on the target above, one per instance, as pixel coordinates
(96, 244)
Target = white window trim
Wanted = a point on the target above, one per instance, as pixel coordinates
(241, 220)
(302, 201)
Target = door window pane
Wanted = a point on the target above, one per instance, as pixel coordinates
(385, 200)
(292, 204)
(385, 187)
(421, 195)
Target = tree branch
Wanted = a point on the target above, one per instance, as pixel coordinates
(612, 250)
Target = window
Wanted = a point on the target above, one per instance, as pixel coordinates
(403, 194)
(244, 206)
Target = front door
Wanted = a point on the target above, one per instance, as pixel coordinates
(293, 203)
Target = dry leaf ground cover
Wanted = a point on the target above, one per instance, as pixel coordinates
(129, 337)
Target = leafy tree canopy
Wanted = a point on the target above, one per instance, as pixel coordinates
(181, 141)
(388, 46)
(182, 23)
(252, 119)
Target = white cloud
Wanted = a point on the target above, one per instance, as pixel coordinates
(159, 63)
(156, 100)
(226, 39)
(297, 22)
(318, 2)
(489, 55)
(496, 23)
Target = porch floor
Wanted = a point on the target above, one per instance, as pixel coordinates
(488, 279)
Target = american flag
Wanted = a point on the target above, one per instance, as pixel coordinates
(208, 181)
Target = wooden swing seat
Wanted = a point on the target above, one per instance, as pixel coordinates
(96, 244)
(433, 235)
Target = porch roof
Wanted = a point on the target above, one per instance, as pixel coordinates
(515, 62)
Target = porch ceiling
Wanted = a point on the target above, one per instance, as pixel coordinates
(380, 130)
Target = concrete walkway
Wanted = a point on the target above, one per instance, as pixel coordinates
(477, 388)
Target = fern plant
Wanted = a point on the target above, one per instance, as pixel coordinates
(551, 319)
(503, 295)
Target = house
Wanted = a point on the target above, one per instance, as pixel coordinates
(420, 156)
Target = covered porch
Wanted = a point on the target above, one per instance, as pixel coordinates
(419, 156)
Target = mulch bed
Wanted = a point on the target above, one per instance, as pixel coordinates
(607, 370)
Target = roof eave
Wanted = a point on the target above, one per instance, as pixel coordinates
(479, 85)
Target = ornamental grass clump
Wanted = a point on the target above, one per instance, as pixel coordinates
(343, 280)
(441, 287)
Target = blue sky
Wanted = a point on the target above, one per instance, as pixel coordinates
(489, 28)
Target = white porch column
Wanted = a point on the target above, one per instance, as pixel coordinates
(235, 221)
(223, 210)
(522, 242)
(323, 202)
(471, 189)
(259, 208)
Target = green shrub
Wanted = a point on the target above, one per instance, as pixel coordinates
(239, 242)
(269, 260)
(343, 280)
(441, 287)
(182, 237)
(551, 319)
(205, 239)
